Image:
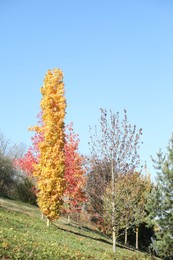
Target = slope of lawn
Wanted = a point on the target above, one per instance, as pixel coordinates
(23, 235)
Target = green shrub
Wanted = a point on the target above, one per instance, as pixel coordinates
(25, 192)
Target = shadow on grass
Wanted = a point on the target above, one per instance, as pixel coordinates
(90, 237)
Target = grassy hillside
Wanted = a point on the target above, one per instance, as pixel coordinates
(23, 235)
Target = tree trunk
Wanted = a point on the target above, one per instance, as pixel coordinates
(114, 239)
(125, 242)
(48, 222)
(137, 232)
(42, 216)
(68, 218)
(113, 206)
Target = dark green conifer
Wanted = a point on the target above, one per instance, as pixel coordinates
(160, 202)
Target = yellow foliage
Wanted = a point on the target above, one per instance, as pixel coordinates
(50, 169)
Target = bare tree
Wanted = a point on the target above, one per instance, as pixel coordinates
(16, 151)
(13, 151)
(4, 145)
(116, 143)
(98, 179)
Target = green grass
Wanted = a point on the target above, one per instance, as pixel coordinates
(23, 235)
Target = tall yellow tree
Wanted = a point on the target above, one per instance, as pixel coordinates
(49, 170)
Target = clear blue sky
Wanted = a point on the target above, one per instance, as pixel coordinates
(114, 54)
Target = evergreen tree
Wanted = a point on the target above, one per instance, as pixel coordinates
(161, 200)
